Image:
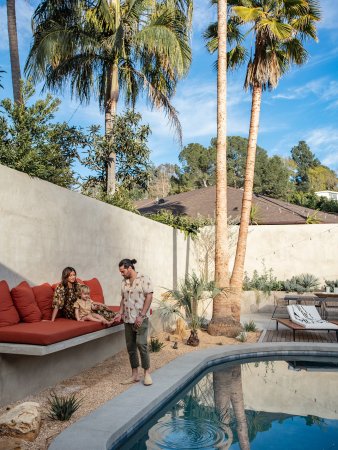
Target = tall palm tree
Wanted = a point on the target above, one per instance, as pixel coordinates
(279, 28)
(14, 50)
(107, 47)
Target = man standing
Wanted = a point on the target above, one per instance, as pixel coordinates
(137, 295)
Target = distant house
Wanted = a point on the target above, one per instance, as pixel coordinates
(201, 202)
(330, 195)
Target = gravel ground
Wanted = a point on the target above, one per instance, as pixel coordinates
(101, 383)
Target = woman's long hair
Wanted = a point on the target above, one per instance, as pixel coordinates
(64, 279)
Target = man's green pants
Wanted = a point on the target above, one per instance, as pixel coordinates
(137, 340)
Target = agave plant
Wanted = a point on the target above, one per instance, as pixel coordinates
(183, 302)
(62, 408)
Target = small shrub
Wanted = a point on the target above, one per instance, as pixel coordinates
(250, 326)
(155, 345)
(332, 284)
(62, 408)
(265, 282)
(302, 283)
(242, 337)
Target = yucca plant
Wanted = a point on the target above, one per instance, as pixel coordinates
(250, 326)
(62, 407)
(155, 345)
(242, 337)
(183, 302)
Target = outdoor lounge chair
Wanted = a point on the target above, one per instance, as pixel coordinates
(305, 317)
(308, 317)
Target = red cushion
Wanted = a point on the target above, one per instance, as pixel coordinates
(8, 314)
(45, 333)
(24, 301)
(96, 292)
(44, 298)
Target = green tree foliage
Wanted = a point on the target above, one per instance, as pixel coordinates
(189, 225)
(129, 143)
(305, 160)
(198, 165)
(275, 179)
(32, 143)
(107, 48)
(272, 176)
(321, 178)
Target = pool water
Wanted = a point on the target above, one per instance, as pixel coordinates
(258, 405)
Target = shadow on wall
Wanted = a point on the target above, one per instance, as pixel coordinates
(13, 278)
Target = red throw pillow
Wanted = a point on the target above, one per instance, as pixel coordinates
(44, 298)
(96, 292)
(24, 301)
(8, 314)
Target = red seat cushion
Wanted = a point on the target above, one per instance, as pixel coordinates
(44, 298)
(96, 292)
(46, 333)
(8, 313)
(24, 301)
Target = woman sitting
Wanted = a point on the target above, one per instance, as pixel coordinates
(66, 294)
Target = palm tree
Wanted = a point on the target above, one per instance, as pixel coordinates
(279, 28)
(14, 50)
(112, 47)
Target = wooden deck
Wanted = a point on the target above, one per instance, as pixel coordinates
(304, 336)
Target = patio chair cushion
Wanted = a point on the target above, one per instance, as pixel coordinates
(44, 298)
(308, 317)
(8, 313)
(46, 332)
(96, 292)
(24, 301)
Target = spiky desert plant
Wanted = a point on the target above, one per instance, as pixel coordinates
(62, 407)
(155, 345)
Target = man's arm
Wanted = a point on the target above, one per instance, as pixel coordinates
(119, 315)
(147, 302)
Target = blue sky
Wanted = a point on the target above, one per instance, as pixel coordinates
(303, 107)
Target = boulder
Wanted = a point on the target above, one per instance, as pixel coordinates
(22, 421)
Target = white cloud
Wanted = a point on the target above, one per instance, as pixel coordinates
(324, 142)
(322, 89)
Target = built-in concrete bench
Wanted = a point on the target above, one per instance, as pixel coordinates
(27, 368)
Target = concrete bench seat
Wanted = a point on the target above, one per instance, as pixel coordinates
(17, 348)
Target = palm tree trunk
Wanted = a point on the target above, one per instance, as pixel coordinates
(221, 305)
(237, 402)
(112, 96)
(236, 281)
(221, 385)
(14, 50)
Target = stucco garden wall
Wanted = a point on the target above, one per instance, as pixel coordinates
(44, 228)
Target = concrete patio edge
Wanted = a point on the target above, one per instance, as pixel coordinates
(117, 419)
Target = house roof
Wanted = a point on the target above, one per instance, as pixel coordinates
(201, 202)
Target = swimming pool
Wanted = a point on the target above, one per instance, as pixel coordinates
(251, 405)
(117, 420)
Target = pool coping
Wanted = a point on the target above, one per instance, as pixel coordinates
(106, 427)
